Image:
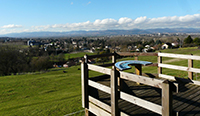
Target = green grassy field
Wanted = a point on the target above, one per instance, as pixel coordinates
(179, 62)
(55, 93)
(75, 55)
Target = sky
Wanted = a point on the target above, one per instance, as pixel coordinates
(18, 16)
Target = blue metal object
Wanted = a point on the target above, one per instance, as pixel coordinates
(123, 65)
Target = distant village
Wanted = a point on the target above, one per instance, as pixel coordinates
(120, 43)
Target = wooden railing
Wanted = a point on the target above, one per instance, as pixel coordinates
(188, 69)
(93, 105)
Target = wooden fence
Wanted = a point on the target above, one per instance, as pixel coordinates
(190, 69)
(93, 105)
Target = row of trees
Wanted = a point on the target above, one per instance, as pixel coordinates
(189, 40)
(13, 61)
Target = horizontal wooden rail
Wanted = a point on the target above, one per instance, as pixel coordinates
(100, 104)
(179, 56)
(104, 106)
(141, 79)
(136, 54)
(100, 55)
(99, 69)
(179, 68)
(99, 86)
(142, 103)
(98, 111)
(179, 79)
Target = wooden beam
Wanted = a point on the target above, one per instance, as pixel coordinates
(101, 55)
(99, 86)
(190, 65)
(114, 59)
(142, 103)
(98, 111)
(193, 57)
(179, 79)
(136, 54)
(88, 113)
(114, 93)
(86, 58)
(104, 106)
(167, 99)
(159, 61)
(136, 57)
(84, 83)
(138, 69)
(99, 69)
(100, 104)
(179, 68)
(141, 79)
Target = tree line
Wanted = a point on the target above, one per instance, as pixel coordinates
(17, 60)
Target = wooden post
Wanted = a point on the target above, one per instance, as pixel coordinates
(190, 65)
(113, 67)
(138, 69)
(84, 81)
(114, 89)
(159, 61)
(167, 99)
(136, 57)
(114, 59)
(114, 93)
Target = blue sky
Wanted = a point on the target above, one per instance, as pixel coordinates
(68, 15)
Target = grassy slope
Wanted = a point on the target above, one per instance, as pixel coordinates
(75, 55)
(52, 93)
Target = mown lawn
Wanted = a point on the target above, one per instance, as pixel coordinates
(52, 93)
(75, 55)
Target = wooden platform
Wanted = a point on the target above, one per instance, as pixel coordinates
(186, 101)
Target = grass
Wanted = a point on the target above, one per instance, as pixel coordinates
(75, 55)
(53, 93)
(179, 62)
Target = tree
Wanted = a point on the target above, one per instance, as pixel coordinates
(41, 63)
(61, 57)
(196, 41)
(188, 40)
(13, 61)
(158, 42)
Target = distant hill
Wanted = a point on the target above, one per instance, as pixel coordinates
(103, 32)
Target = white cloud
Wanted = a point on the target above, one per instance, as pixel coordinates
(125, 20)
(140, 20)
(11, 26)
(186, 21)
(72, 3)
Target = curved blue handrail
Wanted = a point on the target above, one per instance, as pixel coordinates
(123, 65)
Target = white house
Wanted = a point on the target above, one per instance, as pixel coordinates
(166, 45)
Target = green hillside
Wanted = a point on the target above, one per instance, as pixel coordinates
(55, 93)
(52, 93)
